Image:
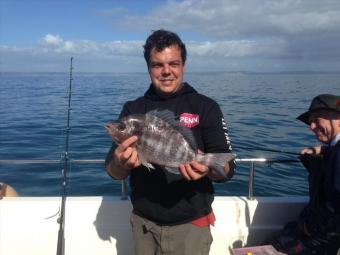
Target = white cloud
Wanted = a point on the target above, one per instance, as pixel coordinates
(51, 40)
(244, 48)
(304, 30)
(230, 19)
(93, 56)
(219, 34)
(237, 49)
(55, 43)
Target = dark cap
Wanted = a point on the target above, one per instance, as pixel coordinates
(321, 102)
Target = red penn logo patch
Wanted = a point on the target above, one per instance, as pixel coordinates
(189, 120)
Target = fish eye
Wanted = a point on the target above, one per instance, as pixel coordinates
(121, 127)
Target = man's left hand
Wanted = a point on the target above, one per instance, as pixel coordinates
(193, 170)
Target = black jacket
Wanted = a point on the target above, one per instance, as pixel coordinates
(322, 214)
(167, 198)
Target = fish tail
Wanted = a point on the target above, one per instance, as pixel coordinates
(216, 161)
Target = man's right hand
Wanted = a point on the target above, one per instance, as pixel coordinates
(312, 150)
(126, 155)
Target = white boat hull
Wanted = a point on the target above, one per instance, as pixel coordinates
(100, 225)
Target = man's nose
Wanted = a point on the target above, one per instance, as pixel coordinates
(312, 125)
(166, 69)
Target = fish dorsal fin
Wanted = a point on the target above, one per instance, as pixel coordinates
(165, 115)
(170, 118)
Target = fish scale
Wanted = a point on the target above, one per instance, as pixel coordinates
(164, 141)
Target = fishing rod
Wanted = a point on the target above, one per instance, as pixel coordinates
(264, 149)
(66, 159)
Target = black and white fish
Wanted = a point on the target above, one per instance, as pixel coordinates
(164, 141)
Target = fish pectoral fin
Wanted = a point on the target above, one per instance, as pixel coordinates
(149, 166)
(173, 170)
(144, 162)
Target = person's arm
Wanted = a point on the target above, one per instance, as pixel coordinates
(122, 159)
(337, 178)
(216, 140)
(330, 213)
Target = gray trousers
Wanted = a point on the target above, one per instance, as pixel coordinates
(184, 239)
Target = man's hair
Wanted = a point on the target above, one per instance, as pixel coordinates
(161, 39)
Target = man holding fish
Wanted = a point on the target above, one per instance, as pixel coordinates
(172, 143)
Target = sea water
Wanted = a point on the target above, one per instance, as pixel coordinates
(260, 111)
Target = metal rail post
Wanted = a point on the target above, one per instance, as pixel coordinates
(251, 180)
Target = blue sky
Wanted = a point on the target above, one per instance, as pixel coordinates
(221, 35)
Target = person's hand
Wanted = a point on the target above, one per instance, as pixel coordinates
(193, 170)
(311, 150)
(126, 154)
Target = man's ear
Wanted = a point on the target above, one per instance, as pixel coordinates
(337, 123)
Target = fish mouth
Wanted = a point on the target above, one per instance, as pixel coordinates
(111, 126)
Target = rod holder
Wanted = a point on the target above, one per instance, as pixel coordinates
(251, 181)
(124, 190)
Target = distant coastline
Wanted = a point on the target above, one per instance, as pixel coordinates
(189, 72)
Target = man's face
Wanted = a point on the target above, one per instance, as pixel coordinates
(325, 125)
(166, 69)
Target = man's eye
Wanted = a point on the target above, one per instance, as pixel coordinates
(175, 64)
(156, 65)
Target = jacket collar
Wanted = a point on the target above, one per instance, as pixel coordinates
(335, 140)
(153, 95)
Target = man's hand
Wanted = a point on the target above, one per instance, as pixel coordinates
(126, 155)
(119, 162)
(193, 170)
(312, 150)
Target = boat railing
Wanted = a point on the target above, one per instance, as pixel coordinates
(253, 161)
(124, 190)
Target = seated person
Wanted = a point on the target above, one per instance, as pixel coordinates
(317, 230)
